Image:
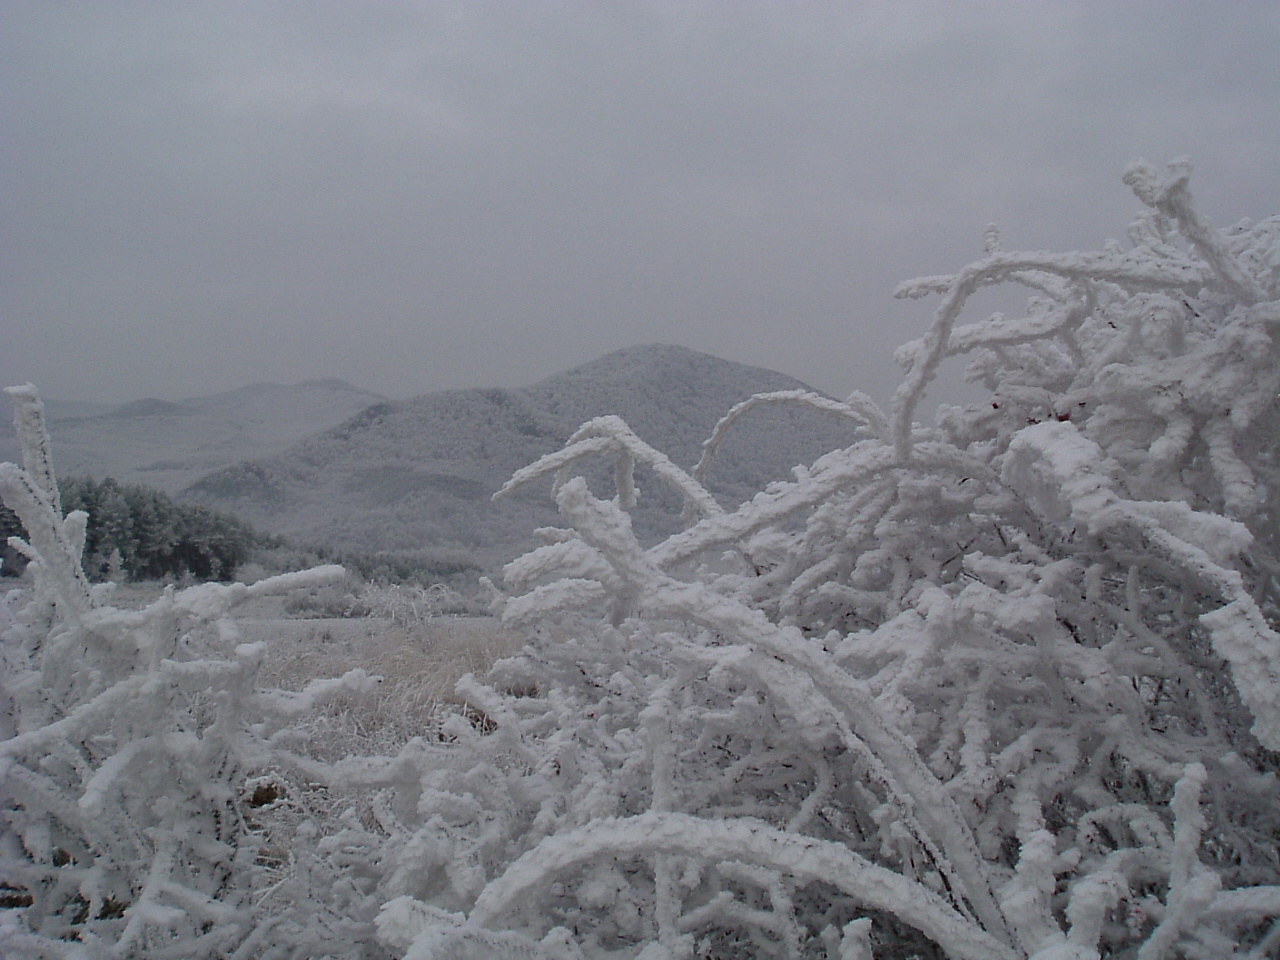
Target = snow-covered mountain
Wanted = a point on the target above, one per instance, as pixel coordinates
(169, 445)
(417, 475)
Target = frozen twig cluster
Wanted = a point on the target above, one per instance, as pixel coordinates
(1003, 687)
(140, 760)
(1008, 686)
(410, 605)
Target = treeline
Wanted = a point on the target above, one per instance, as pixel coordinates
(139, 533)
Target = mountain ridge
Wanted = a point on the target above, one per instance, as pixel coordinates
(418, 474)
(331, 465)
(170, 444)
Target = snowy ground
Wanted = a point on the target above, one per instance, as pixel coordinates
(420, 661)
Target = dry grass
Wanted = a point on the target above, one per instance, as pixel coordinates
(420, 664)
(419, 651)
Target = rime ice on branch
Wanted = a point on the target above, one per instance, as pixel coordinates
(1013, 679)
(133, 746)
(1007, 686)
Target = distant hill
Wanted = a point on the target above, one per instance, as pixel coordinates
(169, 445)
(417, 475)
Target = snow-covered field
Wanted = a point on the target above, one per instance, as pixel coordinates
(419, 655)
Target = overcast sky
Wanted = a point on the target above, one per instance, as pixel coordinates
(198, 194)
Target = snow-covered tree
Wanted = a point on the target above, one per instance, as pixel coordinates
(145, 787)
(1004, 687)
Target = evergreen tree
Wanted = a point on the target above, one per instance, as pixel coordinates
(139, 533)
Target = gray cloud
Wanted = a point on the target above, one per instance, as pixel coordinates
(415, 196)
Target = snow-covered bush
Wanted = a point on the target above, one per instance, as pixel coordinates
(147, 804)
(411, 604)
(1005, 687)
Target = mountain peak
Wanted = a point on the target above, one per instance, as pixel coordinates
(654, 363)
(417, 475)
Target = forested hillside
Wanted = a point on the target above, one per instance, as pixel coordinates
(418, 476)
(136, 533)
(169, 444)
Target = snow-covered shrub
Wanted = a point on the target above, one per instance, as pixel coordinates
(412, 604)
(1006, 687)
(147, 807)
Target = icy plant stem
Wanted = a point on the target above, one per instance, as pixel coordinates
(806, 859)
(663, 596)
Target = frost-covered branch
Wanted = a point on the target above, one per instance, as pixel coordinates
(858, 408)
(1008, 686)
(1014, 660)
(805, 859)
(133, 735)
(1172, 197)
(611, 435)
